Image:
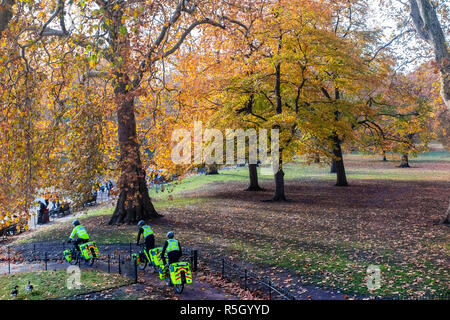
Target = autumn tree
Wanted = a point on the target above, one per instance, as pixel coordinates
(401, 123)
(425, 19)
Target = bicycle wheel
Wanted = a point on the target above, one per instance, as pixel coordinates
(143, 263)
(167, 279)
(89, 262)
(178, 288)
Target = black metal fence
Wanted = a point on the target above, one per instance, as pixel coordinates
(115, 258)
(30, 259)
(248, 279)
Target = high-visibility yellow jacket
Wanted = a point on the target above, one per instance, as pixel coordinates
(147, 231)
(79, 231)
(172, 245)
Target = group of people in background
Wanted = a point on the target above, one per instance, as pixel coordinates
(105, 187)
(51, 202)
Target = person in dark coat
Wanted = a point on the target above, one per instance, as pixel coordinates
(42, 212)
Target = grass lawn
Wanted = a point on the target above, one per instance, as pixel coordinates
(52, 284)
(428, 166)
(326, 235)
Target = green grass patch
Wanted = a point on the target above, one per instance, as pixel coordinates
(199, 181)
(300, 170)
(336, 270)
(53, 284)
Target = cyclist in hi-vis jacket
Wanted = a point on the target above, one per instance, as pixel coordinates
(148, 234)
(80, 232)
(173, 249)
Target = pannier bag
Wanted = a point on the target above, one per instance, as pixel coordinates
(87, 254)
(89, 250)
(92, 246)
(163, 272)
(180, 273)
(137, 258)
(155, 255)
(68, 255)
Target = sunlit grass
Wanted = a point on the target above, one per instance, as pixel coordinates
(52, 284)
(358, 167)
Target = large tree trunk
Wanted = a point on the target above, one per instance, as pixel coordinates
(429, 28)
(279, 175)
(279, 186)
(333, 166)
(253, 174)
(134, 203)
(279, 181)
(341, 178)
(384, 156)
(405, 161)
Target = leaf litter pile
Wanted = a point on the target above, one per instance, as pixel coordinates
(329, 236)
(325, 236)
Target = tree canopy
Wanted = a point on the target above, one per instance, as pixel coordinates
(93, 89)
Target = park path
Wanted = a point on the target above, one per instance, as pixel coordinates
(148, 280)
(197, 291)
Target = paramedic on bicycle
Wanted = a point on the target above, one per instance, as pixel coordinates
(80, 232)
(147, 232)
(173, 249)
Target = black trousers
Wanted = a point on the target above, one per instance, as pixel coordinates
(149, 242)
(78, 242)
(173, 256)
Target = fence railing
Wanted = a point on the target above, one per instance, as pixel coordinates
(114, 258)
(248, 279)
(49, 260)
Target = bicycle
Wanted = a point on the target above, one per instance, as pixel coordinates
(88, 253)
(152, 257)
(177, 275)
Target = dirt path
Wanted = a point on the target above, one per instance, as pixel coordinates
(150, 287)
(198, 291)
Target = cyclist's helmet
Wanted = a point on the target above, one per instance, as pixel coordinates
(141, 223)
(170, 234)
(76, 222)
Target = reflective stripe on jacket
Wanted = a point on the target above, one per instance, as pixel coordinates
(172, 245)
(147, 231)
(79, 231)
